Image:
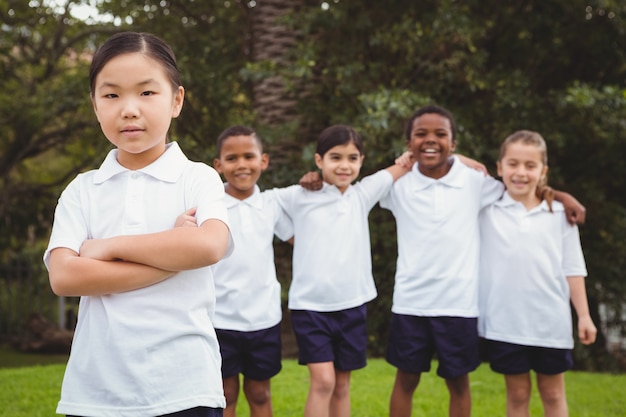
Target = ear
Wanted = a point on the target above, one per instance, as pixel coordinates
(95, 107)
(453, 146)
(319, 161)
(217, 164)
(265, 161)
(544, 172)
(179, 98)
(499, 165)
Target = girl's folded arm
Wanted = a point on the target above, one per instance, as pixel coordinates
(73, 275)
(177, 249)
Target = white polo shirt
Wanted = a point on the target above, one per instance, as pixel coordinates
(438, 240)
(332, 263)
(246, 288)
(150, 351)
(526, 259)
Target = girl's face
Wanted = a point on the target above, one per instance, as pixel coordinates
(431, 143)
(340, 165)
(135, 104)
(241, 162)
(521, 169)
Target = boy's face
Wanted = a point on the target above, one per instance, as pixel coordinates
(241, 162)
(431, 143)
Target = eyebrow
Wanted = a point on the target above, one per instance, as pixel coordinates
(342, 154)
(141, 83)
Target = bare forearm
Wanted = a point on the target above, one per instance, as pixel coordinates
(578, 295)
(177, 249)
(72, 275)
(397, 171)
(574, 211)
(587, 331)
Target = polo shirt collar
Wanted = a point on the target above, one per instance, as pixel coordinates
(168, 167)
(454, 178)
(506, 201)
(332, 189)
(255, 200)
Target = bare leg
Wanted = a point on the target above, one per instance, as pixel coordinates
(231, 392)
(460, 397)
(340, 401)
(259, 397)
(401, 403)
(321, 390)
(518, 388)
(552, 392)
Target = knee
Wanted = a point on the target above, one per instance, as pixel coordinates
(258, 394)
(552, 396)
(341, 389)
(323, 384)
(458, 387)
(231, 389)
(231, 396)
(518, 397)
(407, 382)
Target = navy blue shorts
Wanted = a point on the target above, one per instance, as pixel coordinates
(192, 412)
(256, 354)
(198, 412)
(414, 340)
(337, 336)
(511, 359)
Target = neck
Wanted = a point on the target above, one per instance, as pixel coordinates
(529, 201)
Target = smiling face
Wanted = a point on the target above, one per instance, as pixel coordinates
(340, 165)
(135, 102)
(241, 162)
(432, 144)
(521, 168)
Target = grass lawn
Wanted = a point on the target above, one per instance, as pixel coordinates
(33, 391)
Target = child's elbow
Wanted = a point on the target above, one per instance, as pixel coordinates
(60, 285)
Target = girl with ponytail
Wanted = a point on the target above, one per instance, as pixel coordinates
(532, 265)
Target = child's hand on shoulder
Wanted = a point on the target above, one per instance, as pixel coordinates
(405, 160)
(311, 181)
(187, 219)
(472, 163)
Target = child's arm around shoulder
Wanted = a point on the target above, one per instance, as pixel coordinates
(574, 211)
(403, 165)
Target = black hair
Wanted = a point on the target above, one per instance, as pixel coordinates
(338, 135)
(237, 130)
(430, 109)
(130, 42)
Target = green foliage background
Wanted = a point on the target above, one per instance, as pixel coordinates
(555, 66)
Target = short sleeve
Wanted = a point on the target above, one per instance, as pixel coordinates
(70, 227)
(573, 258)
(204, 190)
(283, 226)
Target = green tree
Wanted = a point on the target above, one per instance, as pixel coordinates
(48, 131)
(554, 66)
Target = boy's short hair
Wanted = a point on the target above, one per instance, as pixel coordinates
(430, 109)
(237, 130)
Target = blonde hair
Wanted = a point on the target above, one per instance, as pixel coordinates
(528, 137)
